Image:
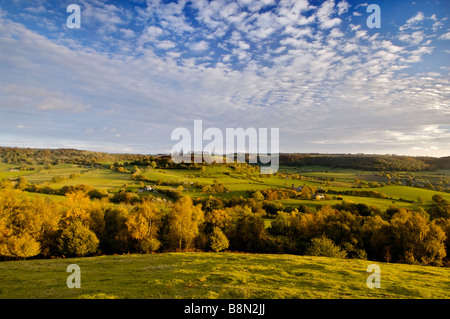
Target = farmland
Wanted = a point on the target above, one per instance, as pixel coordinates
(335, 179)
(219, 275)
(220, 230)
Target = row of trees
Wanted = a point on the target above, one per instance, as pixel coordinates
(80, 226)
(367, 162)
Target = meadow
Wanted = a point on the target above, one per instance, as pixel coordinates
(202, 275)
(237, 183)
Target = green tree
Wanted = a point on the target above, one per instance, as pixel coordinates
(440, 207)
(217, 240)
(323, 246)
(116, 237)
(258, 196)
(420, 200)
(213, 228)
(77, 240)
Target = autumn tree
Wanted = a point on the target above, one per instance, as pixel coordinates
(76, 238)
(143, 224)
(410, 238)
(27, 226)
(216, 221)
(183, 223)
(247, 231)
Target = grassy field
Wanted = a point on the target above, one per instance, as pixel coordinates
(10, 171)
(219, 275)
(238, 182)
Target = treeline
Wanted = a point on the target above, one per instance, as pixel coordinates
(80, 226)
(30, 156)
(367, 162)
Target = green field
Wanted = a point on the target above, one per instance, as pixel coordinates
(238, 183)
(219, 275)
(8, 171)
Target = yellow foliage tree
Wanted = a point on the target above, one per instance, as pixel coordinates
(143, 225)
(184, 221)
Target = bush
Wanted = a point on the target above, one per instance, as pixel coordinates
(217, 240)
(77, 240)
(325, 247)
(20, 247)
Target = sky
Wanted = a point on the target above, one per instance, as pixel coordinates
(136, 70)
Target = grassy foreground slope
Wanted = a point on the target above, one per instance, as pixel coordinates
(219, 275)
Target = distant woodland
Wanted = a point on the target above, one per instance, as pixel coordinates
(28, 156)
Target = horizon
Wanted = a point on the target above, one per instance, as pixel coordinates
(135, 71)
(223, 154)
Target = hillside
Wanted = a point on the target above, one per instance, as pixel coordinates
(219, 275)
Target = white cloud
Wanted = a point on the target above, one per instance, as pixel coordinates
(150, 34)
(445, 36)
(343, 7)
(414, 38)
(199, 46)
(413, 21)
(165, 45)
(324, 13)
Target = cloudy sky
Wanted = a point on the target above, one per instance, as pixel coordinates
(136, 70)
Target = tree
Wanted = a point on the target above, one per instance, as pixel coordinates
(213, 228)
(258, 196)
(22, 246)
(77, 240)
(440, 207)
(184, 221)
(116, 236)
(143, 225)
(27, 226)
(410, 238)
(420, 200)
(247, 231)
(76, 207)
(324, 246)
(217, 240)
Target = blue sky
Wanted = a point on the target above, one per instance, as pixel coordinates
(136, 70)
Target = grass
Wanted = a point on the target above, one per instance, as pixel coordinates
(6, 173)
(219, 275)
(99, 178)
(60, 170)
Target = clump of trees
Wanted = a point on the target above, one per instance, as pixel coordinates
(366, 162)
(215, 187)
(82, 226)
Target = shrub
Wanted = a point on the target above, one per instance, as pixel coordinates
(217, 240)
(322, 246)
(20, 247)
(77, 240)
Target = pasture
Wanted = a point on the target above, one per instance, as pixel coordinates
(219, 275)
(238, 181)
